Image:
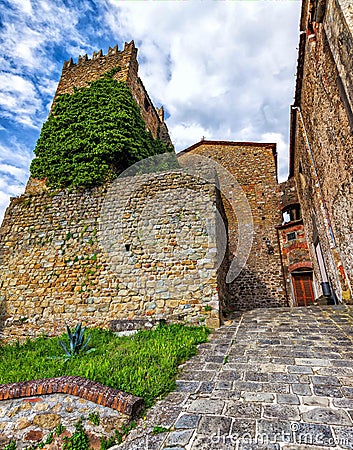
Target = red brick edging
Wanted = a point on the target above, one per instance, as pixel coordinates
(86, 389)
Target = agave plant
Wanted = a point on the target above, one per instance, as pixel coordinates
(77, 343)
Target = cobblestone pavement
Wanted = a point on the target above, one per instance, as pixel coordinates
(272, 379)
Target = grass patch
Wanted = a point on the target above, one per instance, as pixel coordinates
(144, 364)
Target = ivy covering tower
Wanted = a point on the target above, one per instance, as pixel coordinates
(102, 121)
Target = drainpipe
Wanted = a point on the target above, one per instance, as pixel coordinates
(282, 266)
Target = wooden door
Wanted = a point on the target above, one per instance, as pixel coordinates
(303, 288)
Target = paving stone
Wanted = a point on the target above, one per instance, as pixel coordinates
(274, 431)
(304, 379)
(213, 366)
(327, 416)
(280, 388)
(179, 437)
(176, 398)
(224, 385)
(285, 361)
(243, 409)
(254, 446)
(150, 442)
(206, 406)
(247, 386)
(325, 380)
(328, 391)
(206, 387)
(271, 368)
(215, 359)
(301, 389)
(282, 412)
(347, 381)
(224, 394)
(299, 369)
(243, 429)
(210, 425)
(198, 375)
(315, 401)
(257, 397)
(312, 434)
(213, 442)
(283, 378)
(314, 362)
(343, 402)
(347, 392)
(187, 386)
(344, 436)
(255, 376)
(187, 421)
(289, 399)
(342, 362)
(229, 375)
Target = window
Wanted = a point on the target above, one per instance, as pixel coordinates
(291, 213)
(291, 236)
(146, 104)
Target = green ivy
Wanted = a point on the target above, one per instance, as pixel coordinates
(92, 135)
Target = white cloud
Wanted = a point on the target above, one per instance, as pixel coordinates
(19, 99)
(223, 70)
(14, 171)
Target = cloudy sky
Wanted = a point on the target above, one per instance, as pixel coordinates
(222, 69)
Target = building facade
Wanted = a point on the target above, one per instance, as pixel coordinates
(321, 153)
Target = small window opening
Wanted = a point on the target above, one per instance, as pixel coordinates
(146, 104)
(291, 213)
(291, 236)
(127, 247)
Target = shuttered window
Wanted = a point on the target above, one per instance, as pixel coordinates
(303, 288)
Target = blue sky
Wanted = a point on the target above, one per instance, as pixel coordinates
(222, 69)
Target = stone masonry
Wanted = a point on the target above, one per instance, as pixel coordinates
(141, 247)
(249, 179)
(31, 411)
(322, 139)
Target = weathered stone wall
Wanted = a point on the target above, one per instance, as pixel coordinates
(141, 247)
(338, 25)
(87, 70)
(322, 152)
(30, 412)
(249, 179)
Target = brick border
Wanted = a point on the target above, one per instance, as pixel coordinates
(89, 390)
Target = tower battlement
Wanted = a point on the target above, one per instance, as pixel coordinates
(86, 70)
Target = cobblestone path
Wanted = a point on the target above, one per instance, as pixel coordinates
(272, 379)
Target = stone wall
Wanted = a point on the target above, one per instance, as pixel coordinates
(31, 411)
(140, 247)
(338, 25)
(87, 70)
(323, 144)
(248, 183)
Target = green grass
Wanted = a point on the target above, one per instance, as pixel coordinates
(144, 364)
